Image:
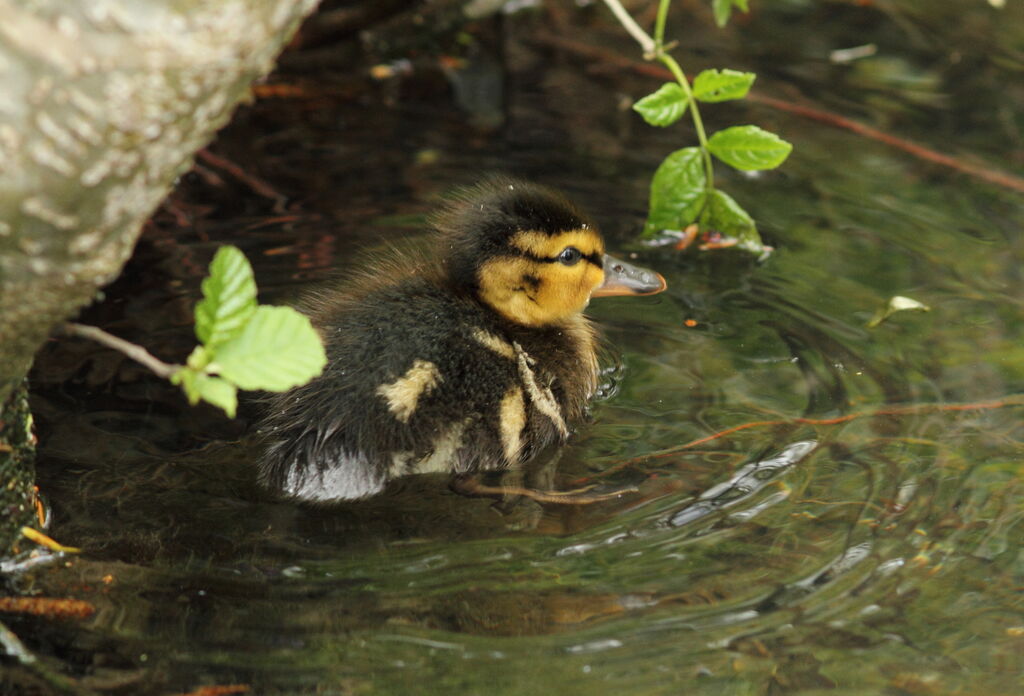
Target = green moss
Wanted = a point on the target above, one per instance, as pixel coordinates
(17, 469)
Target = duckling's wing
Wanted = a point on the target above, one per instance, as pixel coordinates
(415, 383)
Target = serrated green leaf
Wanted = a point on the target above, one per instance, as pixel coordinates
(678, 192)
(229, 297)
(723, 85)
(749, 148)
(219, 392)
(276, 350)
(663, 107)
(723, 9)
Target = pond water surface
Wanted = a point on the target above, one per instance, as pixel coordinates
(816, 510)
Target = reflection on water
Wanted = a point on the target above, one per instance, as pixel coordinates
(748, 480)
(871, 547)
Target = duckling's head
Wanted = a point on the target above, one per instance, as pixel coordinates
(531, 255)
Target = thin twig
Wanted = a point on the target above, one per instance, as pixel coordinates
(133, 351)
(634, 29)
(255, 183)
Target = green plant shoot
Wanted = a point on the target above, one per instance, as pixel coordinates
(683, 188)
(723, 9)
(245, 345)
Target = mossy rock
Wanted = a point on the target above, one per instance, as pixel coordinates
(17, 470)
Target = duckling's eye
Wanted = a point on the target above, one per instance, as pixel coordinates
(569, 256)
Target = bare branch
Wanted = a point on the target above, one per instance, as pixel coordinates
(634, 29)
(133, 351)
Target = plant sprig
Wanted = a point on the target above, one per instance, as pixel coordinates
(242, 344)
(245, 345)
(683, 188)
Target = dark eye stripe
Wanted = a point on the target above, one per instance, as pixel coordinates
(593, 257)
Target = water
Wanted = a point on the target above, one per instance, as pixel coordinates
(872, 547)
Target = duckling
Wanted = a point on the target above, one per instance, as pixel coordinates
(474, 357)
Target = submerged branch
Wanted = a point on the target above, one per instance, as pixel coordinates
(1010, 401)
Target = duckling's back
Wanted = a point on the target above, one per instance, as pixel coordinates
(422, 379)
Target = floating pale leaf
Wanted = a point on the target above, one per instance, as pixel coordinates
(898, 303)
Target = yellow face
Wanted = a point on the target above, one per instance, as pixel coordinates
(544, 278)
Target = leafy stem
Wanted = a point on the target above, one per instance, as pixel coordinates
(655, 48)
(242, 344)
(698, 124)
(659, 26)
(683, 189)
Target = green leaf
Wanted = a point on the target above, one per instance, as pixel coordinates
(199, 358)
(749, 148)
(898, 303)
(678, 192)
(725, 216)
(276, 350)
(723, 8)
(728, 217)
(229, 297)
(199, 387)
(219, 392)
(186, 379)
(664, 107)
(719, 86)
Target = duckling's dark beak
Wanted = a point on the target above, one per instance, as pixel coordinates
(621, 278)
